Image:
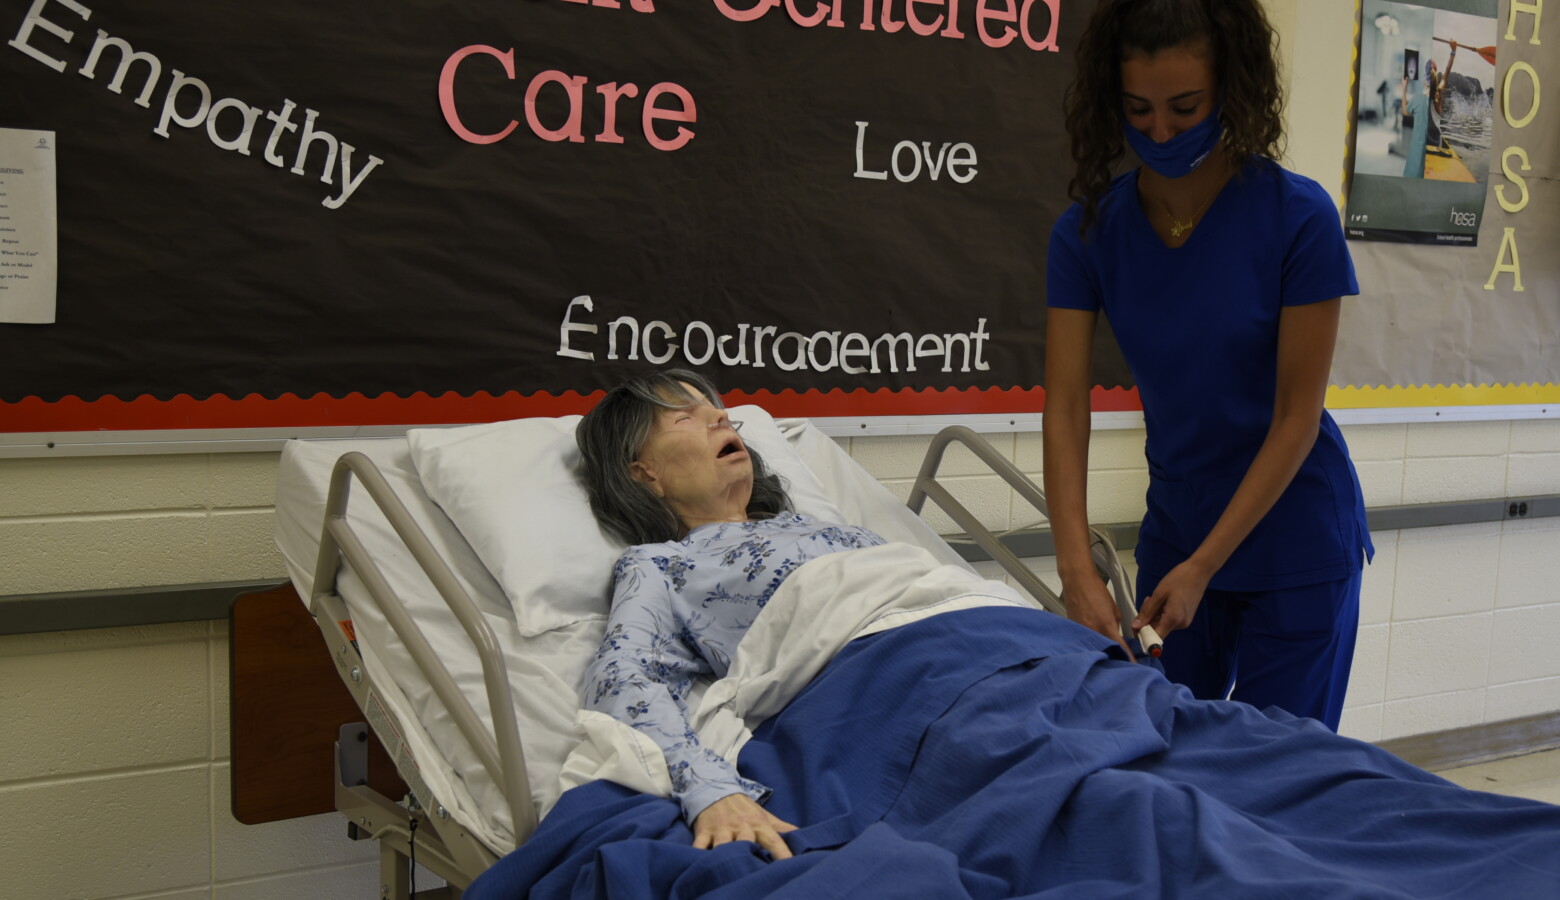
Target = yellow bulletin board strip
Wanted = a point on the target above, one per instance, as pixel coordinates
(1442, 395)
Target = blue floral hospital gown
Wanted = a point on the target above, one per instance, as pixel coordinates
(678, 611)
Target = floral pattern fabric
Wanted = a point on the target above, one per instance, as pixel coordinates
(679, 610)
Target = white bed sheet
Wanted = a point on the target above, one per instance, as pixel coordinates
(544, 669)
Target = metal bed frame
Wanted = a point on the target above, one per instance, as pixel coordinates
(1106, 560)
(417, 828)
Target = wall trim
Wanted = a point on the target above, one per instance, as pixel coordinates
(117, 607)
(270, 440)
(1032, 542)
(1456, 747)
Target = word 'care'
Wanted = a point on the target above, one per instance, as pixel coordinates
(573, 86)
(996, 23)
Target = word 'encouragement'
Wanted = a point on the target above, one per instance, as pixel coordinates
(759, 345)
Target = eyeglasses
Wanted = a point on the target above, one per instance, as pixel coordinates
(695, 426)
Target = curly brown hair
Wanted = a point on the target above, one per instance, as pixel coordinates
(1245, 53)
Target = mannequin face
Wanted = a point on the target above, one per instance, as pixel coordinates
(694, 460)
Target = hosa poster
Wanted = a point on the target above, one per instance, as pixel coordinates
(361, 212)
(1444, 323)
(1424, 121)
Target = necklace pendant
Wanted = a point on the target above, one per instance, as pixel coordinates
(1179, 228)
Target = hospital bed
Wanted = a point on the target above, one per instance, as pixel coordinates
(460, 583)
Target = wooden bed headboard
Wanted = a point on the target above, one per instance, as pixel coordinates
(287, 706)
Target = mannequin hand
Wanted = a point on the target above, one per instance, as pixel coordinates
(1174, 601)
(1091, 605)
(737, 818)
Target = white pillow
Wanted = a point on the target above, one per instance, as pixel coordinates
(514, 491)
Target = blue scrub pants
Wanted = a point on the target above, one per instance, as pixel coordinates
(1291, 648)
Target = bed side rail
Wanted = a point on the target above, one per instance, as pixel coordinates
(1103, 551)
(500, 753)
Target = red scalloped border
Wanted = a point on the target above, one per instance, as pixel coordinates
(147, 413)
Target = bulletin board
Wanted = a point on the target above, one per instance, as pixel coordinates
(298, 214)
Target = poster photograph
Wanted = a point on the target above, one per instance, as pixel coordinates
(1424, 121)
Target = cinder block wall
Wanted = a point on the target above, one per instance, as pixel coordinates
(115, 762)
(114, 765)
(91, 522)
(1457, 624)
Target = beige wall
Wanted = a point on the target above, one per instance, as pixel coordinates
(1456, 623)
(121, 521)
(114, 764)
(115, 778)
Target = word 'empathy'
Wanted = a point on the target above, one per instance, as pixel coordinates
(230, 123)
(697, 343)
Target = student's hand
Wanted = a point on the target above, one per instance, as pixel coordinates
(737, 818)
(1174, 601)
(1090, 604)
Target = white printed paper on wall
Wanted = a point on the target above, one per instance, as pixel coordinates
(29, 258)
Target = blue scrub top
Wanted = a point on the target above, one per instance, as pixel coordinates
(1198, 326)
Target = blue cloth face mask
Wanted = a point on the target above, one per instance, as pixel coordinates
(1181, 154)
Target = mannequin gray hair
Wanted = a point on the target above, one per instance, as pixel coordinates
(610, 437)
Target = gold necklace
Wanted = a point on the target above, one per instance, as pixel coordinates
(1177, 227)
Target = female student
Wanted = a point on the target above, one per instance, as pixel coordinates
(1221, 274)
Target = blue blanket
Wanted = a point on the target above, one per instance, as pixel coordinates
(981, 754)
